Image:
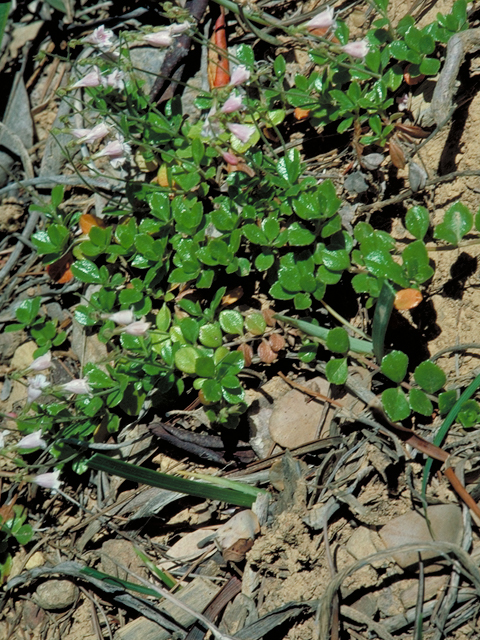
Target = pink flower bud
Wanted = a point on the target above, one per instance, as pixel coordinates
(230, 158)
(101, 38)
(117, 152)
(402, 102)
(322, 20)
(357, 49)
(179, 28)
(48, 480)
(115, 79)
(91, 135)
(241, 131)
(92, 79)
(159, 38)
(122, 317)
(32, 441)
(233, 103)
(41, 363)
(240, 75)
(35, 387)
(138, 328)
(77, 386)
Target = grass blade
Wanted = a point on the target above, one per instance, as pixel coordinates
(359, 346)
(239, 497)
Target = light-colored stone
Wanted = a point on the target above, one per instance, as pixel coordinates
(55, 595)
(296, 417)
(36, 560)
(23, 356)
(446, 524)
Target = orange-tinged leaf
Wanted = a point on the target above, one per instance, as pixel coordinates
(412, 81)
(88, 220)
(407, 299)
(247, 351)
(266, 353)
(232, 296)
(412, 130)
(301, 114)
(59, 271)
(221, 64)
(396, 154)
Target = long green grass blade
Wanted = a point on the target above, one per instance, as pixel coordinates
(356, 345)
(383, 311)
(166, 578)
(105, 577)
(447, 423)
(99, 462)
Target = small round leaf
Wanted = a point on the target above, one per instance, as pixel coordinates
(338, 340)
(420, 403)
(394, 366)
(185, 359)
(395, 404)
(429, 376)
(211, 335)
(337, 371)
(256, 324)
(231, 321)
(469, 414)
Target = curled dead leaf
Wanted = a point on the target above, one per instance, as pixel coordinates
(268, 314)
(277, 342)
(266, 353)
(236, 536)
(407, 299)
(396, 154)
(412, 81)
(247, 351)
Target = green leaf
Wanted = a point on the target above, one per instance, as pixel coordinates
(210, 335)
(336, 371)
(338, 340)
(185, 359)
(256, 324)
(27, 310)
(4, 11)
(430, 66)
(394, 365)
(415, 258)
(212, 391)
(279, 66)
(381, 318)
(429, 376)
(417, 221)
(420, 403)
(86, 271)
(231, 321)
(205, 367)
(264, 261)
(254, 234)
(289, 167)
(469, 414)
(142, 475)
(446, 400)
(336, 259)
(245, 55)
(163, 318)
(190, 329)
(299, 236)
(24, 534)
(395, 404)
(302, 301)
(457, 222)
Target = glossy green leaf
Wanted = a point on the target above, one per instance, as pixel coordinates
(212, 391)
(27, 310)
(446, 401)
(395, 404)
(394, 365)
(205, 367)
(430, 66)
(417, 221)
(231, 321)
(255, 323)
(185, 359)
(429, 376)
(211, 335)
(338, 340)
(336, 371)
(86, 271)
(420, 403)
(457, 222)
(299, 236)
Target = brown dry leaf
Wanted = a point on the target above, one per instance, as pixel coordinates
(268, 314)
(88, 220)
(247, 351)
(277, 342)
(236, 536)
(266, 353)
(396, 154)
(60, 269)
